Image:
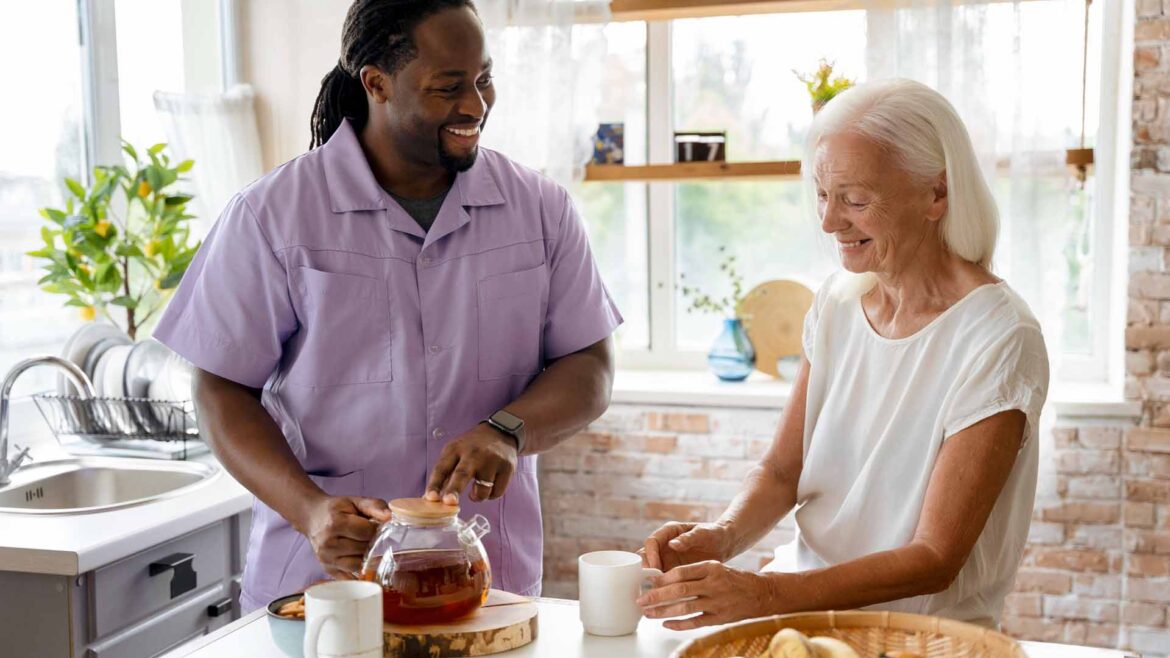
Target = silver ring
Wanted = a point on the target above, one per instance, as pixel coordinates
(485, 484)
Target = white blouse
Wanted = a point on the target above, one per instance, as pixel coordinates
(878, 412)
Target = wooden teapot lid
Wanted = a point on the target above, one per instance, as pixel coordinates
(421, 508)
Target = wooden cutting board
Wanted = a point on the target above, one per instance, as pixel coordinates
(505, 622)
(773, 316)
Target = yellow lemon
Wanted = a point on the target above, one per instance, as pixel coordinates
(88, 313)
(143, 188)
(152, 249)
(102, 228)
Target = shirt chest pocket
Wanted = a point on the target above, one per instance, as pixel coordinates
(346, 330)
(511, 323)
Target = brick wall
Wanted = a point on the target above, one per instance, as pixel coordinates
(638, 467)
(1097, 567)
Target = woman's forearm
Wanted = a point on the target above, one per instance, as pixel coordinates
(913, 570)
(766, 498)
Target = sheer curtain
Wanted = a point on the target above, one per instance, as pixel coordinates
(219, 133)
(548, 57)
(1013, 71)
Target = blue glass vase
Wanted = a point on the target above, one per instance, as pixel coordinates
(732, 357)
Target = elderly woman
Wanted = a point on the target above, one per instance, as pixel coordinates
(909, 445)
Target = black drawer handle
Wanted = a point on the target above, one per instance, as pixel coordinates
(182, 565)
(219, 609)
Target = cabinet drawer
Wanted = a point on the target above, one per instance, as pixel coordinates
(159, 577)
(166, 631)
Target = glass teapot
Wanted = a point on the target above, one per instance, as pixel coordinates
(431, 565)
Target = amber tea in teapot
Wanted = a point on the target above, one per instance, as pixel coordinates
(430, 564)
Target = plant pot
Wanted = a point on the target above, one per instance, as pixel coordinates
(732, 357)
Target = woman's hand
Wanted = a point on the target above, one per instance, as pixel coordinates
(676, 544)
(719, 593)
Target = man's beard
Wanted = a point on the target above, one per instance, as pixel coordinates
(454, 163)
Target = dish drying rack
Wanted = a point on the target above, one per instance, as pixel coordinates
(121, 426)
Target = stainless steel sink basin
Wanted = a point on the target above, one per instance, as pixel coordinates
(96, 484)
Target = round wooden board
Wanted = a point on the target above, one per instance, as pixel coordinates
(505, 622)
(773, 316)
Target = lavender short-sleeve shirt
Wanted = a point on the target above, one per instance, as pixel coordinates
(376, 343)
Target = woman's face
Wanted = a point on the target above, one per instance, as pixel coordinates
(881, 217)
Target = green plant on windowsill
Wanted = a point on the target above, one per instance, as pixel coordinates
(726, 306)
(822, 87)
(122, 242)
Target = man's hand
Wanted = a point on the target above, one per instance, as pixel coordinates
(483, 457)
(340, 528)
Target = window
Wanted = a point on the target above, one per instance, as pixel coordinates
(94, 67)
(1013, 70)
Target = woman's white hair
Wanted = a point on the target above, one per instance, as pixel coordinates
(924, 132)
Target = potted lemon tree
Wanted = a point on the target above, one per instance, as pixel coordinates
(121, 245)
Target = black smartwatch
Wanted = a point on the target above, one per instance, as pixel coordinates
(510, 424)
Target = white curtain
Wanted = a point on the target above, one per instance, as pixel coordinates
(219, 133)
(1013, 71)
(548, 57)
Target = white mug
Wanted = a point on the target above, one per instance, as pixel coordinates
(343, 618)
(610, 582)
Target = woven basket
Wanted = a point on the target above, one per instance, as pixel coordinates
(869, 633)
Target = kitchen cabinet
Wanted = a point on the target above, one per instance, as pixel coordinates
(143, 604)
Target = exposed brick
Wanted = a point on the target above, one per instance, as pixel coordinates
(1101, 635)
(678, 422)
(1152, 285)
(1147, 541)
(1153, 491)
(1097, 586)
(1100, 437)
(1141, 312)
(1029, 605)
(1100, 487)
(1139, 515)
(1148, 565)
(1046, 533)
(1032, 628)
(661, 444)
(1083, 512)
(1154, 590)
(1077, 462)
(1143, 614)
(1148, 439)
(1146, 58)
(1044, 582)
(1079, 608)
(1149, 8)
(621, 508)
(1142, 464)
(1152, 30)
(1147, 337)
(730, 469)
(1065, 437)
(1072, 560)
(1152, 643)
(677, 511)
(726, 447)
(614, 464)
(1096, 536)
(671, 466)
(1141, 362)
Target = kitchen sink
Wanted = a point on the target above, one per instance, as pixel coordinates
(97, 484)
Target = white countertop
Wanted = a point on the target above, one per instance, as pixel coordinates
(72, 544)
(559, 636)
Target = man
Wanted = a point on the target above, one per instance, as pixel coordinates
(395, 312)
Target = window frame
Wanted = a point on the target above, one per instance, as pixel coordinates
(1103, 367)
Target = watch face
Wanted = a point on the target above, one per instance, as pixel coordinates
(508, 421)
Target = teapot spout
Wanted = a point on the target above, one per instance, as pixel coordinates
(477, 527)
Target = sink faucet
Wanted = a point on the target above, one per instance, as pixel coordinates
(9, 466)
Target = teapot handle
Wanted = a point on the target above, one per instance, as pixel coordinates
(478, 526)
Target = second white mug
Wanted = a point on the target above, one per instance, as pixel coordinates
(343, 618)
(610, 583)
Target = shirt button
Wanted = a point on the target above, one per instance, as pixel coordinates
(435, 349)
(427, 260)
(437, 433)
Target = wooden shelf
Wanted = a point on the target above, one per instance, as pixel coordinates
(662, 10)
(683, 171)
